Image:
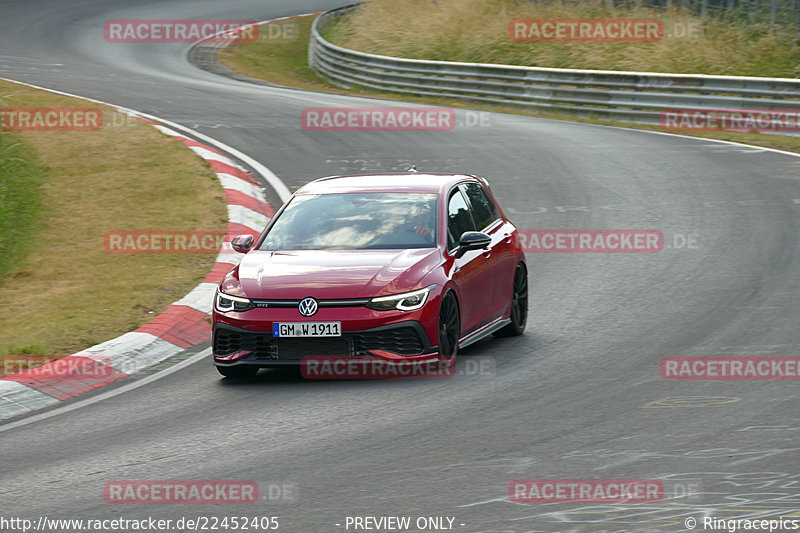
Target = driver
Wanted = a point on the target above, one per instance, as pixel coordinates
(424, 226)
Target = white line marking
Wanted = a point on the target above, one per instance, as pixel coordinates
(238, 184)
(208, 155)
(753, 148)
(200, 298)
(239, 214)
(106, 395)
(17, 399)
(133, 351)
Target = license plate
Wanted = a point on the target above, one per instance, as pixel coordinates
(306, 329)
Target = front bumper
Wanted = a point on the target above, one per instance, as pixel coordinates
(233, 346)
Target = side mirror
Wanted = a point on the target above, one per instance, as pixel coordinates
(243, 243)
(472, 240)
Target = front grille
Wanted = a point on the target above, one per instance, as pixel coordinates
(402, 340)
(227, 341)
(294, 349)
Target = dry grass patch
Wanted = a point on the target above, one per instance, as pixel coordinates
(281, 61)
(478, 31)
(67, 293)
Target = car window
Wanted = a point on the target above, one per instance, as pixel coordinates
(355, 221)
(459, 219)
(483, 209)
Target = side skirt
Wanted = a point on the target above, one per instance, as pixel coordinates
(483, 332)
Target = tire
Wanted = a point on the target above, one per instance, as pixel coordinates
(449, 329)
(519, 304)
(238, 372)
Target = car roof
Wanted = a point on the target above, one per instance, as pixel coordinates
(414, 182)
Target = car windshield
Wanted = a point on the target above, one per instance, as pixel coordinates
(355, 221)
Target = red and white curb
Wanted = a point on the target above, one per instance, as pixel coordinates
(183, 324)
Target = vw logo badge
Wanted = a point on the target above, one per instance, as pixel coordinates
(308, 306)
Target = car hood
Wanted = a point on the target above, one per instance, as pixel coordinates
(333, 274)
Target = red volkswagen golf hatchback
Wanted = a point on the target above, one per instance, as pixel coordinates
(399, 267)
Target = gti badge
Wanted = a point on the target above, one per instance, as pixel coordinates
(308, 306)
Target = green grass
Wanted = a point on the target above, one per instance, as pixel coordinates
(21, 179)
(61, 192)
(284, 62)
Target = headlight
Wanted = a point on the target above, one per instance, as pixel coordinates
(408, 301)
(226, 302)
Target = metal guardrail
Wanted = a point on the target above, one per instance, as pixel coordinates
(616, 95)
